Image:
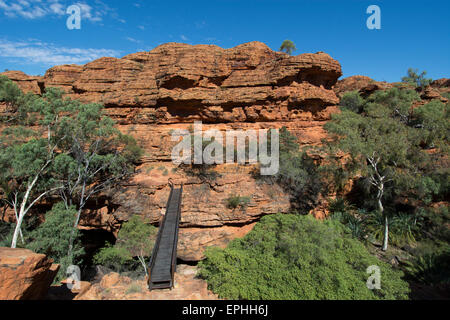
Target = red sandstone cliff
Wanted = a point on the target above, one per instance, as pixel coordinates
(151, 93)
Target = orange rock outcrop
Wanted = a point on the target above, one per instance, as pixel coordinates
(25, 275)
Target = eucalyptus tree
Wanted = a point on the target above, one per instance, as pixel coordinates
(382, 146)
(288, 46)
(52, 145)
(29, 143)
(97, 156)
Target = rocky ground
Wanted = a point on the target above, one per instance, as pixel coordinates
(116, 287)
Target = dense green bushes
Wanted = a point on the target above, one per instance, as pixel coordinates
(297, 257)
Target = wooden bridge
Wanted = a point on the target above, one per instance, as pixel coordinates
(163, 262)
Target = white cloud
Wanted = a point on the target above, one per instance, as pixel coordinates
(184, 38)
(37, 52)
(34, 9)
(23, 8)
(133, 40)
(58, 8)
(87, 12)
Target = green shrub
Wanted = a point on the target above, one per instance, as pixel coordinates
(352, 101)
(235, 201)
(297, 257)
(52, 238)
(340, 205)
(116, 258)
(6, 232)
(404, 228)
(395, 103)
(298, 174)
(433, 119)
(9, 91)
(431, 268)
(135, 240)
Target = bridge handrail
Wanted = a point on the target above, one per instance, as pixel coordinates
(175, 243)
(158, 237)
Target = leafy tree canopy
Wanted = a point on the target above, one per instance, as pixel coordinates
(385, 141)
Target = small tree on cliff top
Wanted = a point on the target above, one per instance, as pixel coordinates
(413, 77)
(288, 46)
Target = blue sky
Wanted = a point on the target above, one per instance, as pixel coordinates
(34, 36)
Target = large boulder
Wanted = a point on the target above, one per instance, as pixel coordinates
(25, 275)
(364, 85)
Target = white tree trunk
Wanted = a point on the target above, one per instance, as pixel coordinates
(77, 221)
(22, 212)
(378, 180)
(386, 220)
(386, 233)
(142, 260)
(20, 229)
